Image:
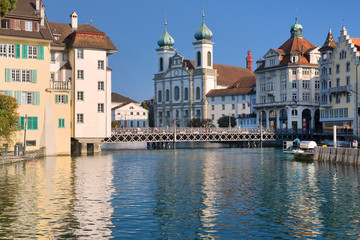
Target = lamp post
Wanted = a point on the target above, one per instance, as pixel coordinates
(25, 123)
(261, 133)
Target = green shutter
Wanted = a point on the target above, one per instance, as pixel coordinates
(17, 51)
(18, 97)
(35, 123)
(41, 52)
(9, 93)
(56, 99)
(29, 123)
(22, 122)
(36, 96)
(24, 51)
(34, 76)
(61, 123)
(7, 75)
(66, 99)
(32, 123)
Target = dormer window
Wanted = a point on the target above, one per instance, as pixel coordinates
(5, 23)
(28, 26)
(294, 58)
(56, 37)
(272, 62)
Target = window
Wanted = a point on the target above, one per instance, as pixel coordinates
(348, 79)
(32, 123)
(243, 97)
(233, 98)
(159, 96)
(3, 50)
(272, 62)
(243, 106)
(223, 98)
(61, 123)
(198, 93)
(80, 118)
(176, 93)
(63, 99)
(293, 72)
(212, 107)
(348, 97)
(337, 68)
(137, 113)
(294, 84)
(317, 97)
(15, 75)
(262, 87)
(56, 37)
(270, 86)
(80, 53)
(329, 71)
(101, 85)
(52, 57)
(186, 94)
(317, 84)
(263, 99)
(283, 97)
(5, 23)
(306, 97)
(131, 113)
(294, 112)
(28, 26)
(306, 84)
(338, 82)
(348, 66)
(209, 59)
(338, 98)
(198, 58)
(161, 64)
(26, 98)
(212, 117)
(100, 107)
(52, 76)
(65, 57)
(80, 74)
(283, 85)
(32, 52)
(294, 97)
(80, 96)
(316, 73)
(233, 106)
(167, 95)
(223, 107)
(101, 65)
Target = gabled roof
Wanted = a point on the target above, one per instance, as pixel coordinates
(242, 86)
(117, 98)
(329, 43)
(227, 75)
(136, 104)
(26, 10)
(66, 66)
(85, 36)
(356, 42)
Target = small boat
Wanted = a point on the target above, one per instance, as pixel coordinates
(302, 150)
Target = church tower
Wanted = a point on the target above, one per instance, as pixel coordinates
(165, 50)
(203, 47)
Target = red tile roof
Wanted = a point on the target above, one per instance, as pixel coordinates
(356, 42)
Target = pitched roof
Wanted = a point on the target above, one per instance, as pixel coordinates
(26, 10)
(356, 42)
(227, 75)
(85, 36)
(242, 86)
(329, 43)
(115, 97)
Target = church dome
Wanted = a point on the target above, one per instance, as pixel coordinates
(165, 40)
(296, 30)
(203, 32)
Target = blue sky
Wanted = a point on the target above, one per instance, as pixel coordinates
(134, 27)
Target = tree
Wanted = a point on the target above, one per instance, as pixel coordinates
(224, 121)
(206, 123)
(115, 124)
(8, 118)
(6, 5)
(195, 122)
(150, 114)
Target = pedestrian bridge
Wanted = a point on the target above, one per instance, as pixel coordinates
(166, 135)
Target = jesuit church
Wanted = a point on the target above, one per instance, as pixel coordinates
(181, 85)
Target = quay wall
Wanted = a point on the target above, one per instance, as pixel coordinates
(30, 155)
(337, 155)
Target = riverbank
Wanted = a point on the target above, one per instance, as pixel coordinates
(11, 157)
(337, 155)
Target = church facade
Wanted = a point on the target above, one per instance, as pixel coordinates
(181, 85)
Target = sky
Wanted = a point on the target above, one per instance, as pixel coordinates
(238, 26)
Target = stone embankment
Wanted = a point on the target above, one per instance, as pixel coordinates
(30, 155)
(337, 155)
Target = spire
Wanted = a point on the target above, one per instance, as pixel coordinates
(249, 60)
(203, 33)
(329, 43)
(296, 30)
(165, 40)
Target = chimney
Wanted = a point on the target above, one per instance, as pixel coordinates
(38, 5)
(42, 13)
(74, 21)
(249, 60)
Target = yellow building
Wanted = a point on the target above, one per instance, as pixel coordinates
(339, 78)
(44, 108)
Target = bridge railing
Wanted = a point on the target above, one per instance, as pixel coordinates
(183, 130)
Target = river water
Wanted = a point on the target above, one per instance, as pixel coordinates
(182, 194)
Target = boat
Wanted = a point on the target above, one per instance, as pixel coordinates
(302, 150)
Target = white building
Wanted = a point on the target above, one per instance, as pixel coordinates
(287, 85)
(79, 60)
(181, 85)
(130, 115)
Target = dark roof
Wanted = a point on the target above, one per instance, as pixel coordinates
(329, 43)
(115, 97)
(85, 36)
(26, 10)
(242, 86)
(66, 66)
(227, 75)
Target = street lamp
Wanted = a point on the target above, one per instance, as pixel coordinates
(25, 123)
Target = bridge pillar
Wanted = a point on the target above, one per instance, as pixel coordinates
(83, 150)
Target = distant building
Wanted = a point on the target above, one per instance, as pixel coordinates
(128, 112)
(79, 65)
(181, 85)
(338, 82)
(287, 85)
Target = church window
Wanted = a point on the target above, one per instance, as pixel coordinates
(209, 58)
(161, 64)
(176, 93)
(198, 59)
(159, 96)
(167, 95)
(197, 93)
(186, 94)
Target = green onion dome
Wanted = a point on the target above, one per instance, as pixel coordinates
(165, 40)
(203, 32)
(296, 30)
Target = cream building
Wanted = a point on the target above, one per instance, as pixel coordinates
(287, 85)
(130, 115)
(79, 65)
(339, 83)
(25, 39)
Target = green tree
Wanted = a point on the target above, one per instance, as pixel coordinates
(195, 122)
(224, 121)
(115, 124)
(206, 123)
(8, 118)
(150, 114)
(6, 5)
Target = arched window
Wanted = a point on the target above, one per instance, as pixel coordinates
(209, 59)
(170, 62)
(159, 96)
(198, 58)
(197, 94)
(161, 64)
(176, 93)
(167, 95)
(186, 94)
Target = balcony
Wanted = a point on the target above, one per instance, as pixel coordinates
(326, 104)
(287, 103)
(340, 89)
(60, 85)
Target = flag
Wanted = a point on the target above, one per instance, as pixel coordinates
(295, 101)
(249, 104)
